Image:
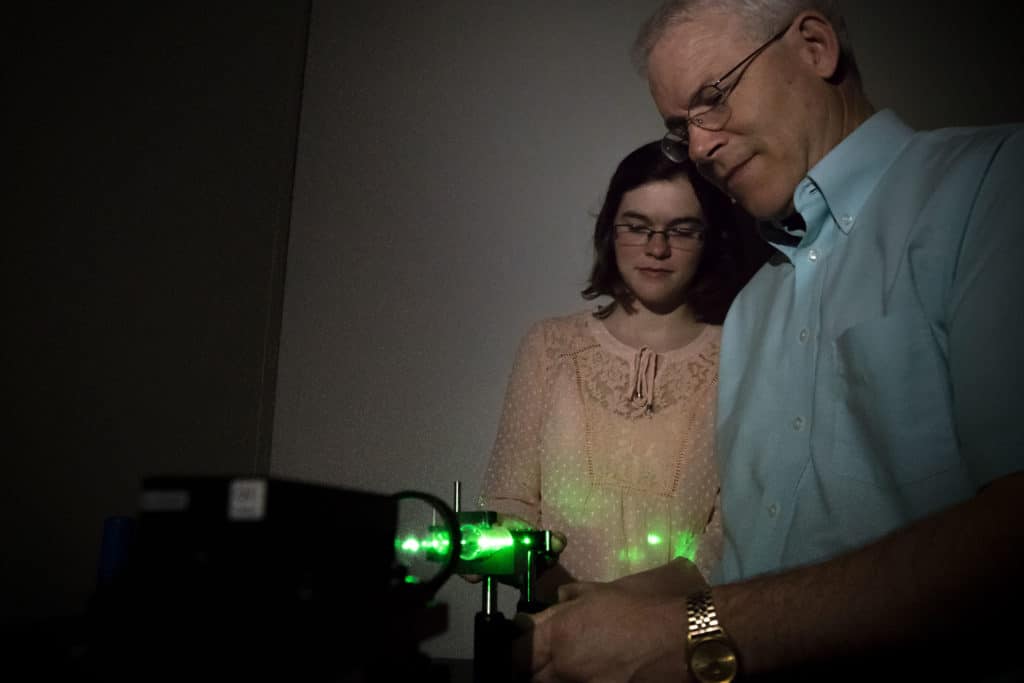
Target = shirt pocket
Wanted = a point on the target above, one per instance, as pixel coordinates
(893, 405)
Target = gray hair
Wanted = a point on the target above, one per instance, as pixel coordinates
(761, 20)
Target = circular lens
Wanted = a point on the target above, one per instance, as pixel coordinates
(426, 539)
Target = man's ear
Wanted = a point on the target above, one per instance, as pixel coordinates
(819, 44)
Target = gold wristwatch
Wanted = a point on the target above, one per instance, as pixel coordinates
(711, 654)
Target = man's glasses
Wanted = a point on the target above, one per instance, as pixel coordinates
(708, 108)
(636, 235)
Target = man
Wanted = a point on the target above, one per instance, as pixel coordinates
(870, 434)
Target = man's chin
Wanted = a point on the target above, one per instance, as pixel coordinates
(765, 208)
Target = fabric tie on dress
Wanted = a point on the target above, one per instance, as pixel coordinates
(641, 395)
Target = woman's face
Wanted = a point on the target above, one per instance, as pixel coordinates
(658, 272)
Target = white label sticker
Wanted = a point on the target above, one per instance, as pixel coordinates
(247, 499)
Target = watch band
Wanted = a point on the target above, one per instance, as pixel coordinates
(701, 617)
(711, 654)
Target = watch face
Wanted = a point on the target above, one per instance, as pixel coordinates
(713, 661)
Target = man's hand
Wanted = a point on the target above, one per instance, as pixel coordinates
(632, 629)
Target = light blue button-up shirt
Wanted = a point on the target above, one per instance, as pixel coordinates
(875, 376)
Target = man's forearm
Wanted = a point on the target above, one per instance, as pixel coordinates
(921, 583)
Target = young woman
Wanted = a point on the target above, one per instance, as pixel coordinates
(606, 435)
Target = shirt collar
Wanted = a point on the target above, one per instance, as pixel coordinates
(849, 173)
(845, 177)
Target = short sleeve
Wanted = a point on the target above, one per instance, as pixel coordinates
(511, 482)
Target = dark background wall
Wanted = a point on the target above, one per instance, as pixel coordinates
(145, 228)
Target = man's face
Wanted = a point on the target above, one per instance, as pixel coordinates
(765, 147)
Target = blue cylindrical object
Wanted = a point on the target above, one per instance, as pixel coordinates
(118, 535)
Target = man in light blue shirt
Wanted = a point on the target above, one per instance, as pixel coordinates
(869, 376)
(870, 429)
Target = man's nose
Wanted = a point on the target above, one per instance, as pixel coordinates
(704, 144)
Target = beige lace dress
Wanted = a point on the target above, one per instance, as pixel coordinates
(612, 446)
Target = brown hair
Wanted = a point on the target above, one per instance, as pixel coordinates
(732, 251)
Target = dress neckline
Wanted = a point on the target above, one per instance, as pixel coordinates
(614, 345)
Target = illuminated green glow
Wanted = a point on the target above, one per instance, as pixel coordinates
(483, 541)
(411, 579)
(633, 554)
(527, 540)
(439, 541)
(657, 548)
(686, 545)
(436, 543)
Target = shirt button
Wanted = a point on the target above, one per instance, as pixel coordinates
(846, 220)
(812, 255)
(798, 423)
(804, 335)
(773, 510)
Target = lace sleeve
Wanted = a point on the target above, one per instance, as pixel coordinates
(511, 483)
